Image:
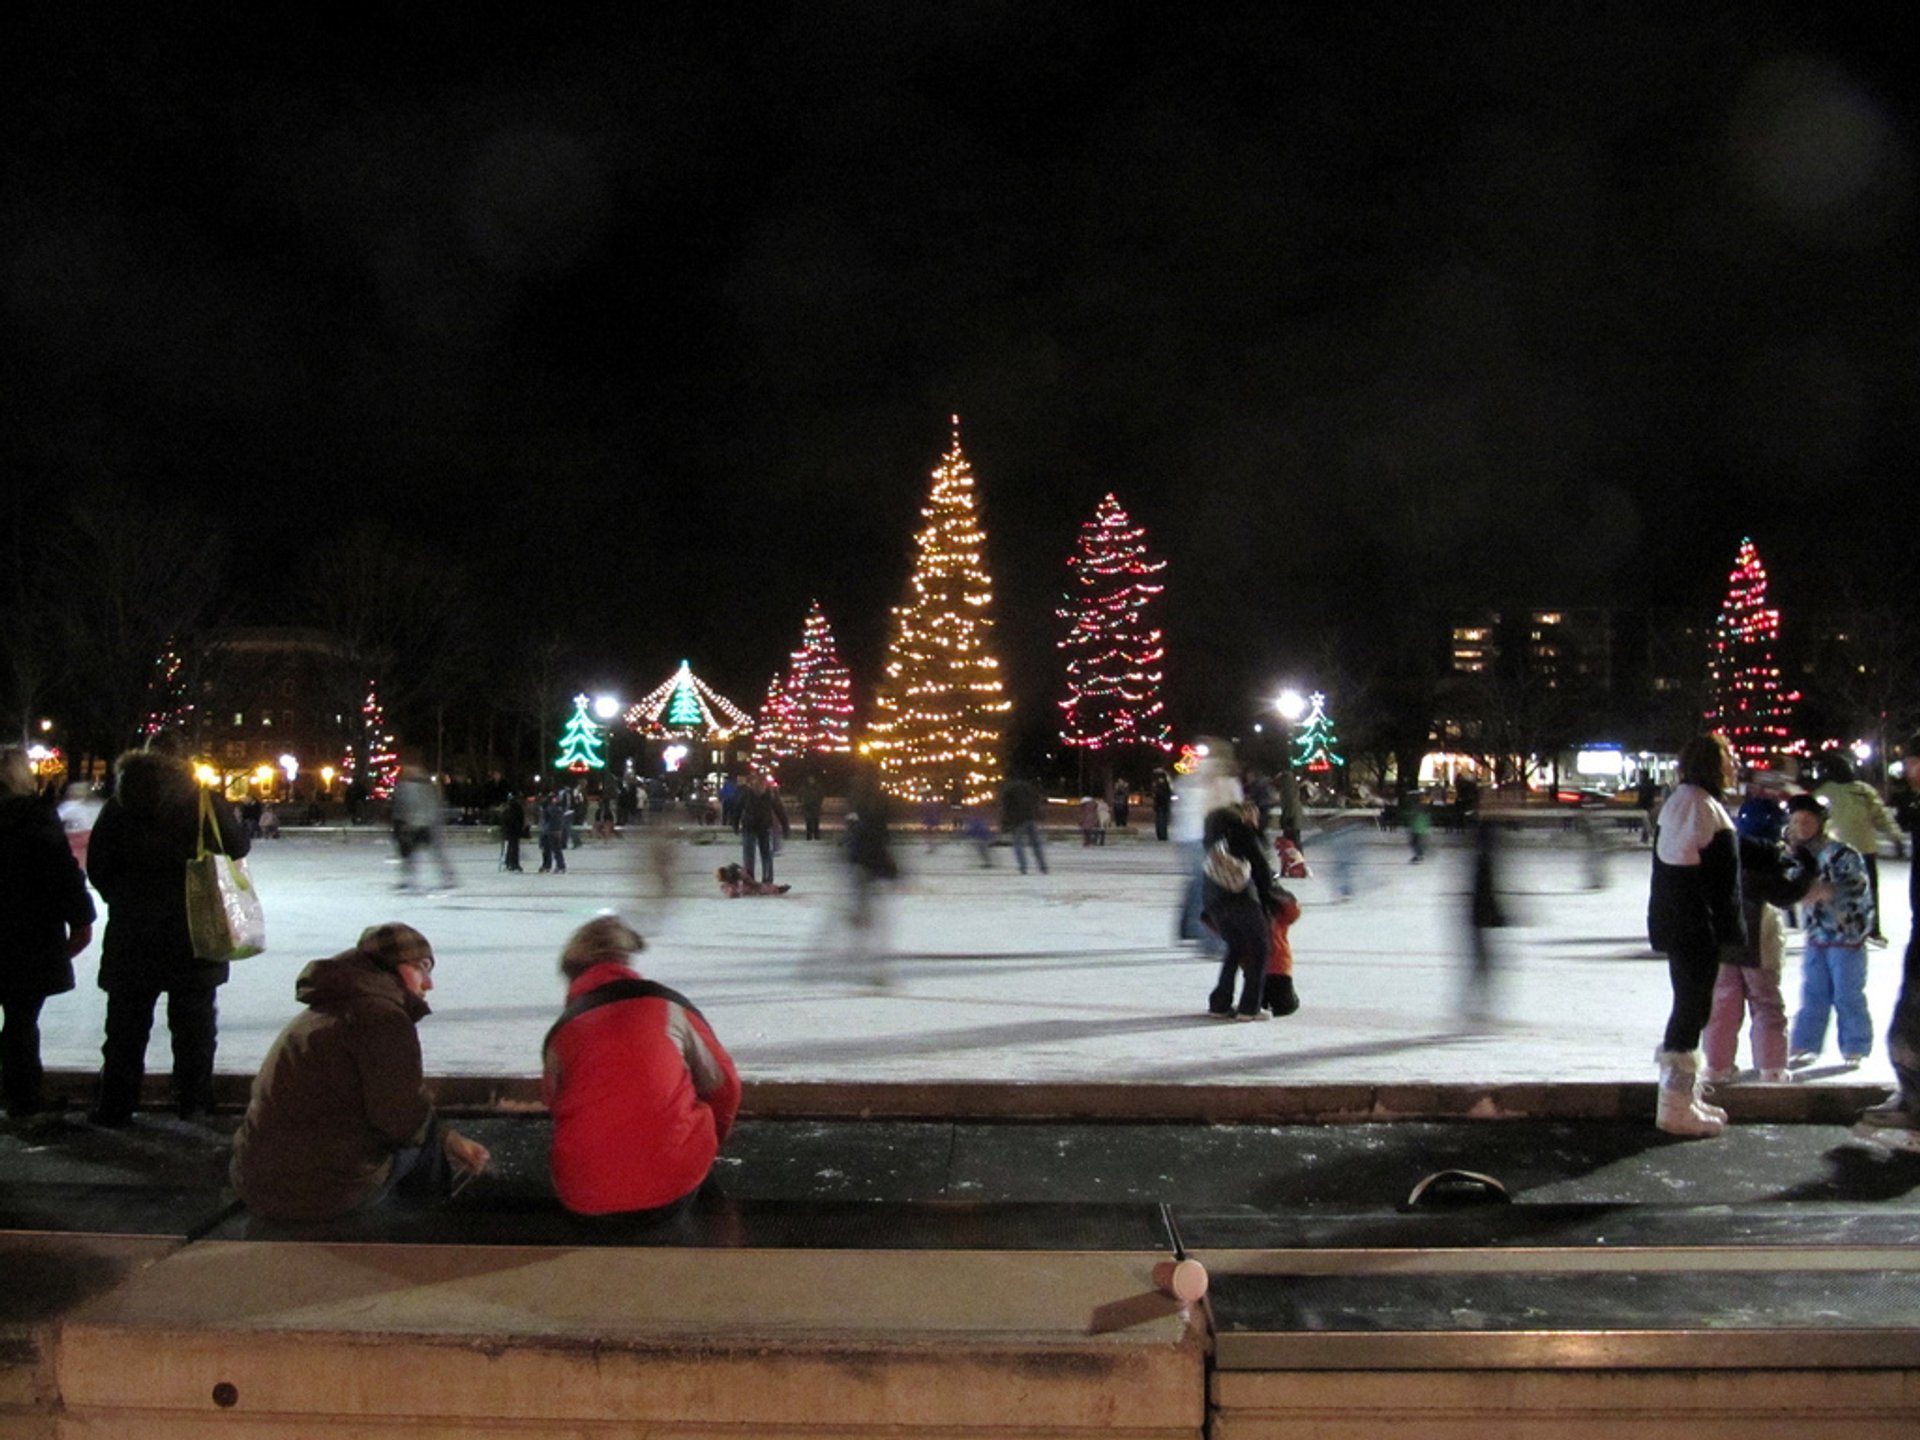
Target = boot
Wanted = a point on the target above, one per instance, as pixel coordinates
(1700, 1082)
(1677, 1114)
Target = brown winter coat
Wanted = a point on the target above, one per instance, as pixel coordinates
(338, 1093)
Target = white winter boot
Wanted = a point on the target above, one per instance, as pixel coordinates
(1678, 1114)
(1701, 1080)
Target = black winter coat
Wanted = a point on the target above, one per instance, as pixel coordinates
(1695, 909)
(137, 860)
(42, 897)
(1242, 841)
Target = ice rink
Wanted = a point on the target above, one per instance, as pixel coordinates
(1068, 976)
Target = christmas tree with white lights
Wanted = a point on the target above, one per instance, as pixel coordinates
(581, 742)
(1749, 707)
(372, 754)
(1113, 651)
(939, 713)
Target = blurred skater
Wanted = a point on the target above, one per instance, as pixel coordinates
(1484, 913)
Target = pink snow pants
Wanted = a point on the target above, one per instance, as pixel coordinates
(1738, 989)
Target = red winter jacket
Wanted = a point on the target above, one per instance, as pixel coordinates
(642, 1095)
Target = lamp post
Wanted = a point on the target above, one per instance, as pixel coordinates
(1292, 705)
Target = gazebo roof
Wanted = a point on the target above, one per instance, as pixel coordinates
(684, 706)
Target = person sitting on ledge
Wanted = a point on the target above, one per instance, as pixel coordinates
(339, 1118)
(641, 1091)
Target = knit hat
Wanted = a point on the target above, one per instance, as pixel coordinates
(393, 944)
(603, 935)
(1812, 804)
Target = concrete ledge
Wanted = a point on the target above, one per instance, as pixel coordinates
(46, 1277)
(262, 1340)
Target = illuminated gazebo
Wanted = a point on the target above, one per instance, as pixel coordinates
(685, 707)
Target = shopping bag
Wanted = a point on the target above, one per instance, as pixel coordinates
(224, 917)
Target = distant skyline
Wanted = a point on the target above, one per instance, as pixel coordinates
(655, 320)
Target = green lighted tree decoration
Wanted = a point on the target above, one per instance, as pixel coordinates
(581, 741)
(1315, 744)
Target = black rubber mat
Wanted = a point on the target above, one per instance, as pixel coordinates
(1808, 1224)
(1533, 1301)
(744, 1224)
(78, 1209)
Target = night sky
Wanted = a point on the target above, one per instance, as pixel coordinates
(653, 319)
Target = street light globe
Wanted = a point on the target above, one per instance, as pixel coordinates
(1291, 705)
(605, 707)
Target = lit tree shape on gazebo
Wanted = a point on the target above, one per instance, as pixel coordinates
(684, 706)
(581, 742)
(1748, 704)
(371, 751)
(1113, 653)
(1315, 745)
(938, 713)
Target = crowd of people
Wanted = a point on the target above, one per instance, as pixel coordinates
(642, 1093)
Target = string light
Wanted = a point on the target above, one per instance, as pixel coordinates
(683, 707)
(1748, 705)
(939, 713)
(809, 711)
(580, 742)
(1113, 654)
(1314, 740)
(383, 762)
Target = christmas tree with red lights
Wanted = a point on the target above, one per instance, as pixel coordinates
(774, 736)
(372, 753)
(820, 690)
(939, 713)
(1748, 705)
(1113, 652)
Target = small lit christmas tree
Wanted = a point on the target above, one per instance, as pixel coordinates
(773, 729)
(371, 752)
(1748, 704)
(1113, 653)
(168, 707)
(820, 690)
(1316, 748)
(580, 742)
(938, 714)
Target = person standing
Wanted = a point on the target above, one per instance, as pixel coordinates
(1020, 802)
(1897, 1120)
(1771, 878)
(1693, 916)
(1162, 802)
(641, 1090)
(759, 811)
(1858, 819)
(46, 918)
(556, 819)
(813, 801)
(513, 829)
(137, 860)
(1210, 785)
(1240, 902)
(1122, 801)
(339, 1117)
(1833, 969)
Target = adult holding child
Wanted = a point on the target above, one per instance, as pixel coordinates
(641, 1090)
(1693, 915)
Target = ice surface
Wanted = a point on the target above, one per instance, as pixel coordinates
(1070, 976)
